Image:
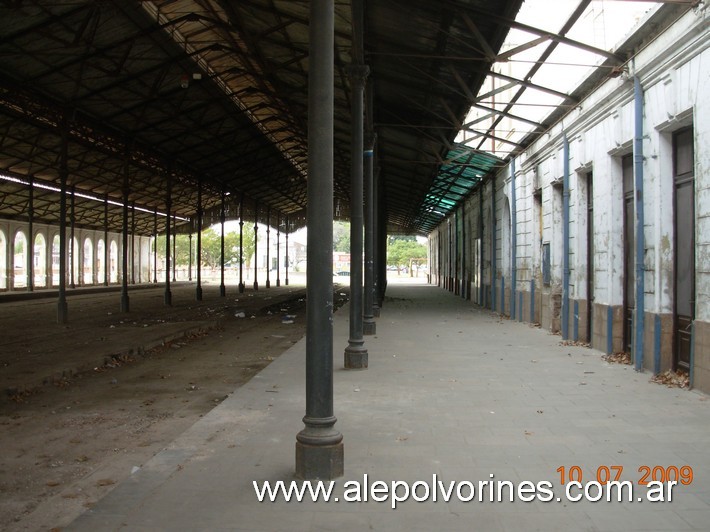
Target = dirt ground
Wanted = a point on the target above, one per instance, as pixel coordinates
(85, 404)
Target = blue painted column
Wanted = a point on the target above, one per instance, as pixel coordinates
(565, 237)
(639, 313)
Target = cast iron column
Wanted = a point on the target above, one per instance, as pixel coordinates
(278, 249)
(125, 302)
(375, 242)
(256, 245)
(268, 244)
(356, 355)
(286, 273)
(106, 247)
(133, 243)
(222, 289)
(368, 320)
(189, 256)
(155, 246)
(62, 311)
(168, 207)
(30, 248)
(241, 244)
(72, 279)
(319, 446)
(198, 255)
(174, 246)
(382, 243)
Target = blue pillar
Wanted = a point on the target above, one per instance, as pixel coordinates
(565, 238)
(639, 313)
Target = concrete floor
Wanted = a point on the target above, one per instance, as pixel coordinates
(451, 390)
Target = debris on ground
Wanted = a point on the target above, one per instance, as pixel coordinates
(672, 379)
(578, 343)
(618, 358)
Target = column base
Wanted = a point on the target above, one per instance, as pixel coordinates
(222, 291)
(278, 283)
(198, 293)
(324, 462)
(168, 298)
(241, 288)
(268, 284)
(356, 357)
(369, 327)
(125, 303)
(62, 312)
(376, 311)
(256, 285)
(286, 281)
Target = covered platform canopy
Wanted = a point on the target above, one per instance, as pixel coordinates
(215, 92)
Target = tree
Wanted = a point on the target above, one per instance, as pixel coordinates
(212, 247)
(182, 248)
(401, 252)
(391, 239)
(341, 237)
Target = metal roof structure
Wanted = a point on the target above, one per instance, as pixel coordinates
(212, 94)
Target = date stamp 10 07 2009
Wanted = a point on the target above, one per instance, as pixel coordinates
(615, 473)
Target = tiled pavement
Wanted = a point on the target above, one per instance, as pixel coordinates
(451, 390)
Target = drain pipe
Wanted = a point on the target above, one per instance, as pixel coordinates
(513, 239)
(565, 237)
(640, 240)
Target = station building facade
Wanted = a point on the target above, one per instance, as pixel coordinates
(600, 228)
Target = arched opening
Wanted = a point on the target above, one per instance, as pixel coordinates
(55, 261)
(3, 261)
(87, 268)
(113, 262)
(20, 261)
(39, 260)
(100, 261)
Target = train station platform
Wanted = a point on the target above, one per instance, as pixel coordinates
(453, 391)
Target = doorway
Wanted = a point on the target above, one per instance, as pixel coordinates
(627, 172)
(684, 252)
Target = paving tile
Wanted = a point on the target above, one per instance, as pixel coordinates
(498, 398)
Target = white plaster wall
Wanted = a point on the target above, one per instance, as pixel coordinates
(10, 228)
(674, 71)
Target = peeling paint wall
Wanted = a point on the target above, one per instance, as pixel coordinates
(674, 72)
